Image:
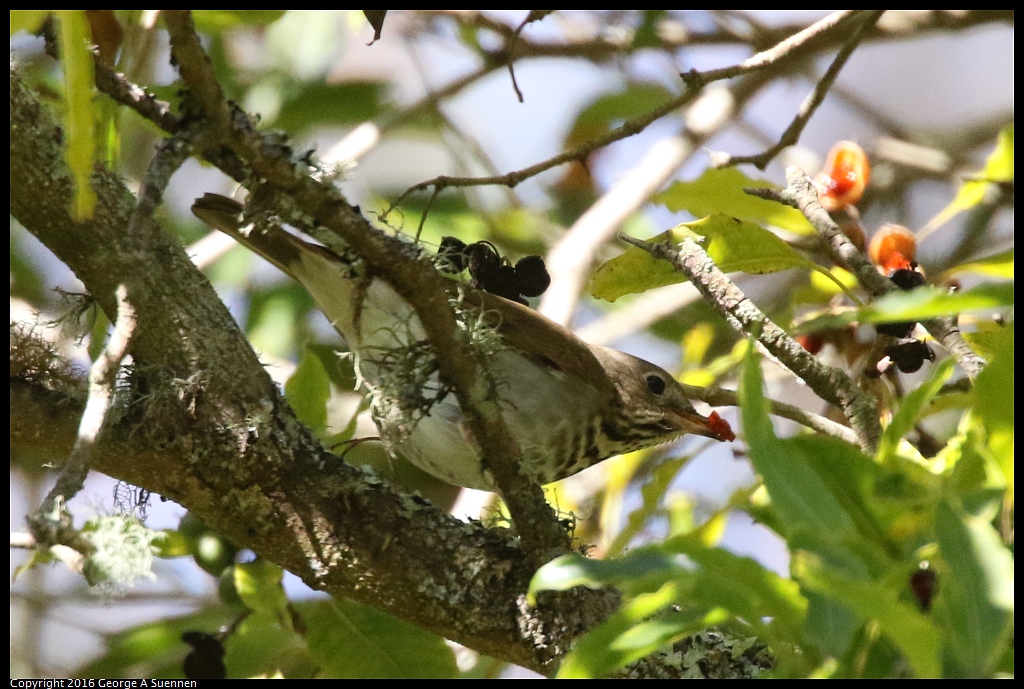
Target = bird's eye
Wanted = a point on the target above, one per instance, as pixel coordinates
(655, 384)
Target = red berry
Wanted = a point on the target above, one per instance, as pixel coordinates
(720, 426)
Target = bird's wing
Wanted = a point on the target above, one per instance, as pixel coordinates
(547, 343)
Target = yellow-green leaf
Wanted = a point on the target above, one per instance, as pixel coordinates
(734, 245)
(930, 302)
(27, 20)
(79, 83)
(722, 191)
(998, 168)
(216, 21)
(308, 390)
(997, 265)
(634, 271)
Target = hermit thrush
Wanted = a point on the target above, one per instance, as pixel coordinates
(568, 404)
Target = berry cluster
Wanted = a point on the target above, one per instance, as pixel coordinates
(892, 249)
(492, 272)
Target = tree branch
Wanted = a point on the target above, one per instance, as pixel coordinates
(828, 383)
(810, 105)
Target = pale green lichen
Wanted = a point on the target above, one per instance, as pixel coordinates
(123, 552)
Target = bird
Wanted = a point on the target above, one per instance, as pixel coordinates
(567, 403)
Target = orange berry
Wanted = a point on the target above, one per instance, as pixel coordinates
(893, 248)
(845, 176)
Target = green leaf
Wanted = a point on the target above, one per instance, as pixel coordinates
(217, 21)
(850, 476)
(608, 110)
(799, 495)
(352, 641)
(153, 649)
(641, 570)
(342, 640)
(337, 364)
(998, 168)
(831, 626)
(624, 637)
(733, 245)
(976, 597)
(997, 265)
(833, 318)
(978, 480)
(259, 585)
(274, 317)
(927, 302)
(742, 586)
(994, 400)
(911, 408)
(722, 191)
(912, 632)
(318, 104)
(308, 391)
(263, 646)
(709, 586)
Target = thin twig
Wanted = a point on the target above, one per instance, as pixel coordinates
(195, 69)
(51, 523)
(514, 42)
(512, 179)
(780, 51)
(173, 152)
(810, 104)
(695, 81)
(136, 98)
(719, 397)
(66, 553)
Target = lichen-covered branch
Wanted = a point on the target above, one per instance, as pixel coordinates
(829, 383)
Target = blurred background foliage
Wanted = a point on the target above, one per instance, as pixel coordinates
(899, 564)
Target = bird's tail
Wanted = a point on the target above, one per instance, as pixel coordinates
(289, 253)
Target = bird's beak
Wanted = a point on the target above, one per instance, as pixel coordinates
(713, 426)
